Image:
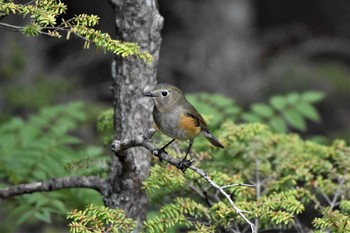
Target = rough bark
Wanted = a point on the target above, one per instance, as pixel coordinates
(136, 21)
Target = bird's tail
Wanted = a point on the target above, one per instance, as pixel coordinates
(212, 139)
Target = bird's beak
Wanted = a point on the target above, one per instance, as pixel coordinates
(149, 94)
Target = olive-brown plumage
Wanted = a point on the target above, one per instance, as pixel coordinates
(177, 118)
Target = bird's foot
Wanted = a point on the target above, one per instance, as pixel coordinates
(159, 151)
(184, 164)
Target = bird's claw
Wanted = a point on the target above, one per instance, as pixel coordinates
(184, 164)
(159, 151)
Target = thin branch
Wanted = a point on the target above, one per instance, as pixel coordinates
(29, 3)
(298, 226)
(42, 31)
(338, 191)
(222, 191)
(199, 192)
(258, 187)
(119, 146)
(235, 185)
(203, 192)
(334, 202)
(10, 27)
(325, 197)
(92, 182)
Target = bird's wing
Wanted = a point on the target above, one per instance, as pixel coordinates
(198, 119)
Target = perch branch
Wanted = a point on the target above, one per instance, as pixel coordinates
(119, 146)
(92, 182)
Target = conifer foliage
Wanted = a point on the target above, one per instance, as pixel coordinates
(273, 178)
(46, 18)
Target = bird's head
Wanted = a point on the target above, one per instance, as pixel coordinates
(165, 96)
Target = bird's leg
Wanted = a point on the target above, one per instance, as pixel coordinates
(184, 163)
(163, 149)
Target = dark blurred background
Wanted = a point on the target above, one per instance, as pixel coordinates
(247, 50)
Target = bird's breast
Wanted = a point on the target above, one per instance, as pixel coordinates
(176, 124)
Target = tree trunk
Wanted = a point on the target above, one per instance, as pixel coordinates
(137, 21)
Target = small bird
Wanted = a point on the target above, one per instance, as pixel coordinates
(178, 119)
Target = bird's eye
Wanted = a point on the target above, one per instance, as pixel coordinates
(165, 93)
